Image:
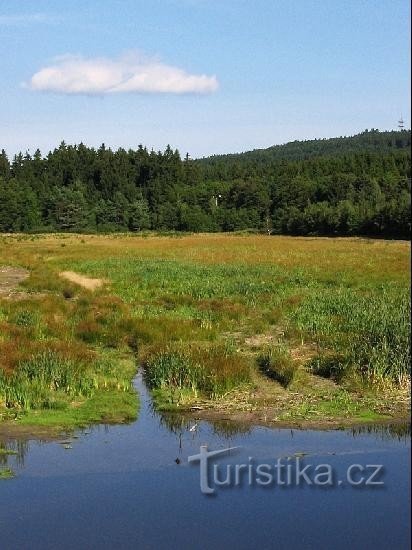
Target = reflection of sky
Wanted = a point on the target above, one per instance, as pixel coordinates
(120, 487)
(149, 444)
(137, 448)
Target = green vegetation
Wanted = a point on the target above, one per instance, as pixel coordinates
(358, 328)
(361, 334)
(104, 407)
(7, 452)
(51, 390)
(357, 185)
(65, 361)
(6, 473)
(277, 328)
(277, 364)
(211, 371)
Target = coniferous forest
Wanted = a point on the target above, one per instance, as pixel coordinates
(358, 185)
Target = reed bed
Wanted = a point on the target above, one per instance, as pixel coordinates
(210, 371)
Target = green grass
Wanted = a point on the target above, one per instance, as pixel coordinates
(6, 473)
(105, 406)
(277, 364)
(102, 393)
(210, 371)
(364, 323)
(206, 315)
(367, 331)
(341, 405)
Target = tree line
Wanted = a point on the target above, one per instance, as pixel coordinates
(358, 185)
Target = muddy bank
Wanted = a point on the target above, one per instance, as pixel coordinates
(12, 430)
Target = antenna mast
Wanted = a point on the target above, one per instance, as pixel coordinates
(401, 123)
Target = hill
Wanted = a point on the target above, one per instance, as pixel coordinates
(369, 140)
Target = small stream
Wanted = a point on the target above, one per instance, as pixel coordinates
(131, 486)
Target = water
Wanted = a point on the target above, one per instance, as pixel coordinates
(132, 487)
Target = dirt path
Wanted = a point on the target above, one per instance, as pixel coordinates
(82, 280)
(10, 277)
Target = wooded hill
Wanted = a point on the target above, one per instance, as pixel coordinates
(356, 185)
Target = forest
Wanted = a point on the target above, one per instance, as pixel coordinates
(359, 185)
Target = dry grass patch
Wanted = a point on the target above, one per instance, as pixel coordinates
(86, 282)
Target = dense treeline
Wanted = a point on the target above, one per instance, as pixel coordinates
(341, 186)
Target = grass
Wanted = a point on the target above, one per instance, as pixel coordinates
(6, 473)
(368, 333)
(320, 325)
(103, 407)
(96, 400)
(212, 371)
(276, 363)
(342, 405)
(65, 360)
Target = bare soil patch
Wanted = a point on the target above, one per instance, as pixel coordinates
(10, 278)
(82, 280)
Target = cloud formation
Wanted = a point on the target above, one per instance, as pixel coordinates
(130, 73)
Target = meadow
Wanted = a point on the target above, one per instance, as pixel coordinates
(276, 329)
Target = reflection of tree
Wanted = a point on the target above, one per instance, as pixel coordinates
(14, 448)
(400, 430)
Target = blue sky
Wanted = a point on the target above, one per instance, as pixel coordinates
(206, 76)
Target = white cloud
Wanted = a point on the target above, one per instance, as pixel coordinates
(130, 73)
(24, 19)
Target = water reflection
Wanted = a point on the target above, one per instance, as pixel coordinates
(178, 423)
(185, 429)
(400, 431)
(13, 448)
(144, 494)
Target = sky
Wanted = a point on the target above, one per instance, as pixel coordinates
(205, 76)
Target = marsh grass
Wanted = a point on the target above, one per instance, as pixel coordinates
(47, 380)
(187, 305)
(364, 335)
(211, 371)
(52, 362)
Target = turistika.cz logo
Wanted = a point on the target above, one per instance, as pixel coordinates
(283, 472)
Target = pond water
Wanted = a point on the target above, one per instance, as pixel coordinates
(132, 487)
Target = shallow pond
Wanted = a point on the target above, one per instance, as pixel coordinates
(132, 487)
